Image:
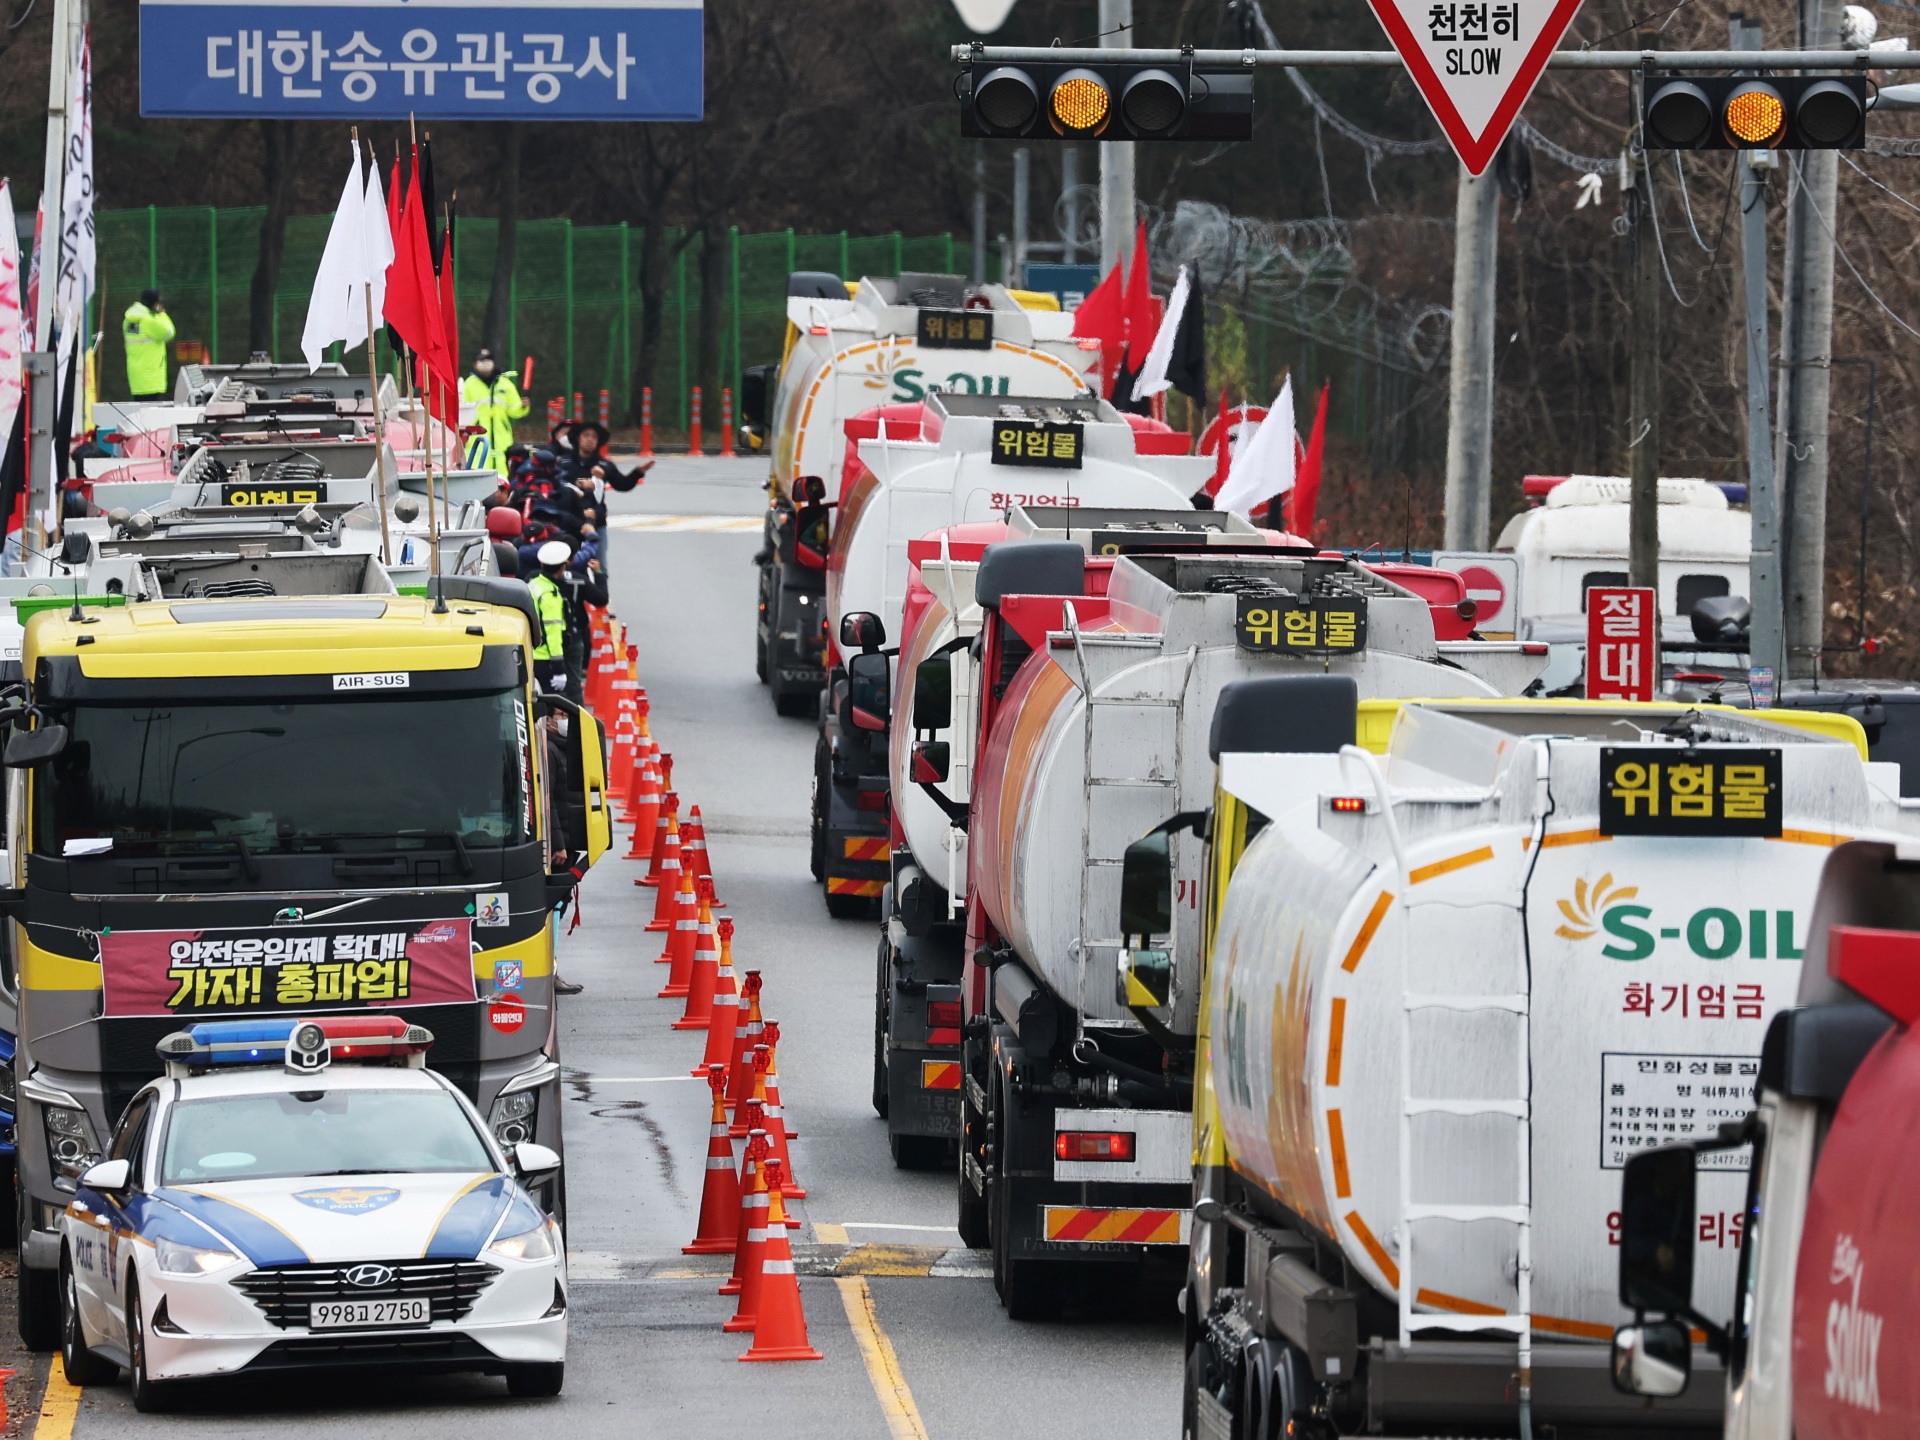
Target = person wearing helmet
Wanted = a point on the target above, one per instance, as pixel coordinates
(503, 529)
(549, 602)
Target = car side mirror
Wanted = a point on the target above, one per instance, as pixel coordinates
(1654, 1359)
(869, 701)
(933, 694)
(29, 748)
(532, 1159)
(1146, 886)
(1657, 1222)
(109, 1177)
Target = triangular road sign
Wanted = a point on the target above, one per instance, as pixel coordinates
(1475, 61)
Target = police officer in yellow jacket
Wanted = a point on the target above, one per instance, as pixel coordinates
(550, 644)
(147, 330)
(497, 404)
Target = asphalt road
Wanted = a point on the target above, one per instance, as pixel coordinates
(914, 1341)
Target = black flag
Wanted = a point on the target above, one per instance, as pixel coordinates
(426, 199)
(1187, 366)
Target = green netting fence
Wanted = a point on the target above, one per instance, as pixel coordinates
(576, 299)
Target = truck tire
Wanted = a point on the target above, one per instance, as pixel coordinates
(760, 656)
(39, 1292)
(972, 1217)
(817, 837)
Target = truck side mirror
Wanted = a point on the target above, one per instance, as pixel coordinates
(862, 630)
(933, 694)
(869, 703)
(1146, 886)
(1657, 1220)
(29, 748)
(579, 763)
(1654, 1359)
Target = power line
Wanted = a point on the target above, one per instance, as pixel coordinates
(1875, 181)
(1838, 249)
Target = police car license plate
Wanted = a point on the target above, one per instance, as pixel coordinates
(367, 1314)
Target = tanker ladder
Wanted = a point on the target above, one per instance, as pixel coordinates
(1518, 1322)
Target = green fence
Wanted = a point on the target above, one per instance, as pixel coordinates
(576, 296)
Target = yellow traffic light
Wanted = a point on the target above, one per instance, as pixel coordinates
(1755, 116)
(1080, 103)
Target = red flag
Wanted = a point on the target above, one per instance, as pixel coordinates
(1306, 486)
(450, 323)
(1102, 316)
(413, 302)
(1143, 311)
(1223, 455)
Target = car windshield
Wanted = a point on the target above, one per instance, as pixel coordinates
(318, 1133)
(318, 775)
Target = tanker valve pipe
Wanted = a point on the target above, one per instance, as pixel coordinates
(1369, 763)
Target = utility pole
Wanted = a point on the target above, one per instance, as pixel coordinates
(1766, 642)
(1806, 359)
(1476, 236)
(1116, 157)
(1022, 185)
(1069, 204)
(1643, 454)
(979, 276)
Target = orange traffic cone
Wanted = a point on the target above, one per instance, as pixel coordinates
(621, 764)
(720, 1199)
(754, 1248)
(746, 1035)
(636, 797)
(646, 813)
(669, 820)
(780, 1323)
(666, 898)
(753, 1205)
(696, 840)
(706, 966)
(678, 951)
(777, 1133)
(726, 1002)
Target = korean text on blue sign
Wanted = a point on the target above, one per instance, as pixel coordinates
(432, 59)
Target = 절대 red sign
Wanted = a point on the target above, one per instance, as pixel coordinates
(247, 971)
(1623, 642)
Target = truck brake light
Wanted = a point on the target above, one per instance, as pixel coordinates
(1114, 1145)
(1348, 804)
(943, 1015)
(1881, 966)
(872, 800)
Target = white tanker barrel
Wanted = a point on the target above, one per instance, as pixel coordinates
(1573, 922)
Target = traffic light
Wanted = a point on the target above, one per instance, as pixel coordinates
(1104, 102)
(1780, 112)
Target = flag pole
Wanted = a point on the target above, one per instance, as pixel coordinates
(426, 412)
(373, 381)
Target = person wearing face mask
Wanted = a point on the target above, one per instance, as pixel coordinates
(497, 404)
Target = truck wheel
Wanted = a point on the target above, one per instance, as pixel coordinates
(917, 1152)
(882, 988)
(760, 656)
(822, 778)
(39, 1292)
(972, 1218)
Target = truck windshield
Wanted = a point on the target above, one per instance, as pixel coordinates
(278, 777)
(319, 1132)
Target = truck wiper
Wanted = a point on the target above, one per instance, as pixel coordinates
(459, 846)
(247, 865)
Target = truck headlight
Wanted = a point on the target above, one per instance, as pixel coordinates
(175, 1258)
(512, 1117)
(534, 1244)
(70, 1142)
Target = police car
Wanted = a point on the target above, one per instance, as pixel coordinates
(303, 1193)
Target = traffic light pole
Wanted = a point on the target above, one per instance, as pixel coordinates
(1116, 156)
(1643, 452)
(1476, 233)
(1766, 639)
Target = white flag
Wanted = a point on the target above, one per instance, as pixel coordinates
(1264, 466)
(12, 317)
(376, 239)
(1153, 374)
(76, 196)
(337, 309)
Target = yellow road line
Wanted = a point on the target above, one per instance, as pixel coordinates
(883, 1368)
(60, 1405)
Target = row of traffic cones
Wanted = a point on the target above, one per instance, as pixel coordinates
(743, 1204)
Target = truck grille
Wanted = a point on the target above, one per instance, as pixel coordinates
(284, 1292)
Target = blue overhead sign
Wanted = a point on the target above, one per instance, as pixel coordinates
(431, 59)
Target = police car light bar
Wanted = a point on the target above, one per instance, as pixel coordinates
(303, 1045)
